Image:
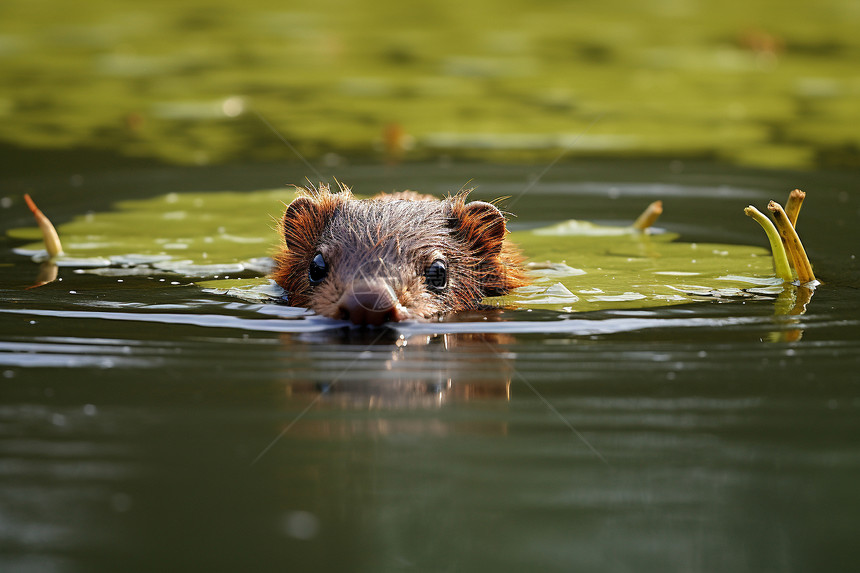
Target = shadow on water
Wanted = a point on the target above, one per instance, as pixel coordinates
(149, 422)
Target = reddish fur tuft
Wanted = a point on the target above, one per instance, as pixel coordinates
(482, 226)
(300, 228)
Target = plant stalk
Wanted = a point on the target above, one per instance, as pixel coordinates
(49, 233)
(792, 241)
(649, 216)
(780, 258)
(792, 207)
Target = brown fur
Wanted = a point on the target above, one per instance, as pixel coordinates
(389, 241)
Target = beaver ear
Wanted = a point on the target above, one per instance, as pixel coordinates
(481, 225)
(304, 221)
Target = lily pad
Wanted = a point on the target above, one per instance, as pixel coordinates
(195, 235)
(222, 239)
(618, 267)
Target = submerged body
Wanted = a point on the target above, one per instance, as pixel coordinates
(393, 257)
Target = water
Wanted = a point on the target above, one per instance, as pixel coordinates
(768, 83)
(149, 422)
(145, 424)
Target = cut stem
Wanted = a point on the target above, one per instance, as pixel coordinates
(792, 241)
(792, 207)
(780, 258)
(49, 233)
(649, 216)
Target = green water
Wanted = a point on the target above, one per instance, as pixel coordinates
(763, 83)
(655, 404)
(146, 422)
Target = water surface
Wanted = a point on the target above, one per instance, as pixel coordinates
(767, 83)
(150, 423)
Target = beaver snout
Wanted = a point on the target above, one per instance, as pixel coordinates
(371, 303)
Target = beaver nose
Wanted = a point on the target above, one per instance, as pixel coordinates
(371, 303)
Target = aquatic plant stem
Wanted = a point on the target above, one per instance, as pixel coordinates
(49, 233)
(792, 241)
(780, 258)
(792, 207)
(649, 216)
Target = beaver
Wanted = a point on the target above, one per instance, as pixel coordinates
(393, 257)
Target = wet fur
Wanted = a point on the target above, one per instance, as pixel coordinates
(395, 236)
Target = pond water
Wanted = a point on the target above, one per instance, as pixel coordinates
(768, 83)
(154, 419)
(653, 402)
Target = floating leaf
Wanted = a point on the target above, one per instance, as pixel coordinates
(577, 265)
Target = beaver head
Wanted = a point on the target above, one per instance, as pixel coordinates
(393, 257)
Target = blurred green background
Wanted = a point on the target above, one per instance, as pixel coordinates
(766, 83)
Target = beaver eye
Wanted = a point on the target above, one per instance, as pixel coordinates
(436, 276)
(317, 270)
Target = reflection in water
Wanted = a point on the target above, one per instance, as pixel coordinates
(48, 271)
(792, 301)
(393, 372)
